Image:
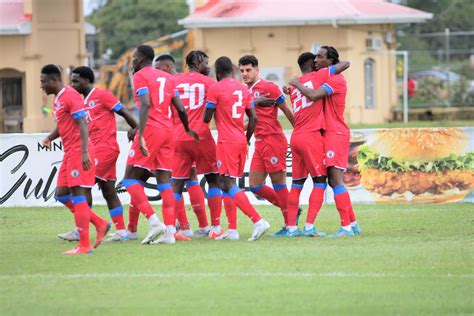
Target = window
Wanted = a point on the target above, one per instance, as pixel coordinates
(369, 72)
(11, 95)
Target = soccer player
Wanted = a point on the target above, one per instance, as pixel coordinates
(193, 87)
(153, 147)
(336, 136)
(77, 173)
(270, 141)
(101, 107)
(166, 63)
(228, 99)
(307, 144)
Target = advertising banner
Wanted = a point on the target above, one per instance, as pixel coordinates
(426, 165)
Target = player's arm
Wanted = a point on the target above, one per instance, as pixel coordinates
(209, 113)
(252, 123)
(288, 113)
(144, 99)
(264, 101)
(84, 131)
(340, 67)
(211, 104)
(51, 136)
(130, 121)
(183, 116)
(312, 94)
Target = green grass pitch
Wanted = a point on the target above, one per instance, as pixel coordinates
(410, 260)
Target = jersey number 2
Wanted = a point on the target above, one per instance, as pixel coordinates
(238, 103)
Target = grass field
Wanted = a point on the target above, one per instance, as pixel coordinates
(410, 260)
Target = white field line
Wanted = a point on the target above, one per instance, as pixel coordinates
(171, 275)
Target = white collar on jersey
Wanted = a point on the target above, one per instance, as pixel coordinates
(59, 94)
(87, 98)
(254, 84)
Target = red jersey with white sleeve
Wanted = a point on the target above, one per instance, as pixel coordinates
(335, 104)
(101, 105)
(192, 88)
(230, 98)
(267, 116)
(309, 116)
(161, 88)
(68, 106)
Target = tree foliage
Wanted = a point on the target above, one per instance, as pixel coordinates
(127, 23)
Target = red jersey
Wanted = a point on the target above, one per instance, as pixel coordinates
(267, 116)
(335, 104)
(309, 115)
(192, 88)
(230, 98)
(161, 88)
(101, 105)
(68, 107)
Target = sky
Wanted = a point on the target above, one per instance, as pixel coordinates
(89, 6)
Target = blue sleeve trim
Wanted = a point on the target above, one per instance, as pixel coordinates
(332, 70)
(297, 186)
(278, 187)
(252, 105)
(78, 199)
(213, 192)
(327, 88)
(233, 191)
(320, 185)
(256, 189)
(63, 198)
(224, 194)
(210, 105)
(339, 190)
(280, 100)
(116, 211)
(191, 183)
(79, 114)
(142, 91)
(117, 107)
(176, 93)
(163, 186)
(129, 182)
(178, 196)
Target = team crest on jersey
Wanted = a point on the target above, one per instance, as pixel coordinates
(274, 160)
(91, 104)
(256, 94)
(57, 105)
(131, 153)
(330, 154)
(74, 173)
(96, 161)
(219, 163)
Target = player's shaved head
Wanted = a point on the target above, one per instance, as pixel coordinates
(165, 57)
(85, 73)
(146, 52)
(306, 61)
(223, 67)
(52, 71)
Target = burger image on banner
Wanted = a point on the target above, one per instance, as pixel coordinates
(417, 165)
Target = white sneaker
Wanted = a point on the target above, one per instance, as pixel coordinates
(231, 234)
(132, 236)
(201, 232)
(186, 233)
(153, 233)
(73, 235)
(167, 238)
(259, 228)
(119, 237)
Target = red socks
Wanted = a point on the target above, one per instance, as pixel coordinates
(214, 200)
(82, 214)
(180, 211)
(196, 197)
(133, 215)
(267, 193)
(167, 208)
(137, 193)
(116, 214)
(316, 200)
(242, 202)
(282, 193)
(293, 203)
(230, 211)
(343, 204)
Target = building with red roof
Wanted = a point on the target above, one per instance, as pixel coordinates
(277, 31)
(34, 33)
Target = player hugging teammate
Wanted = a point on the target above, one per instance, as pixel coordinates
(172, 141)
